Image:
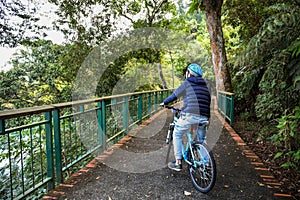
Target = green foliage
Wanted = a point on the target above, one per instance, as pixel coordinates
(38, 76)
(233, 42)
(288, 138)
(295, 48)
(24, 150)
(265, 68)
(85, 21)
(198, 46)
(294, 66)
(248, 16)
(195, 5)
(270, 103)
(145, 13)
(266, 76)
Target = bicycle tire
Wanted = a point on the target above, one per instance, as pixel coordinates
(169, 140)
(204, 175)
(169, 150)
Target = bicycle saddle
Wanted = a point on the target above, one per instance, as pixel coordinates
(203, 123)
(195, 126)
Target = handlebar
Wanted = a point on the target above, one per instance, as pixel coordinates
(174, 110)
(169, 107)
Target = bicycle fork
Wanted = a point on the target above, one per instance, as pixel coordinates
(170, 132)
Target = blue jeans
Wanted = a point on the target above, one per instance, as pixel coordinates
(182, 125)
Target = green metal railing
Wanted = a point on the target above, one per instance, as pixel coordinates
(42, 146)
(226, 105)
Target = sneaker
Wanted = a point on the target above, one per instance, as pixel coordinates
(174, 166)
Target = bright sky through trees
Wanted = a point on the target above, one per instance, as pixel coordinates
(47, 17)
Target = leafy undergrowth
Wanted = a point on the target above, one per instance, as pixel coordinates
(250, 132)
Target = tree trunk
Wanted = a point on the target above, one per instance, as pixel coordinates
(173, 72)
(161, 75)
(219, 59)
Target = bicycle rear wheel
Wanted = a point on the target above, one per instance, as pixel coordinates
(203, 173)
(169, 141)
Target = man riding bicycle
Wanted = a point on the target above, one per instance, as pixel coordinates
(196, 109)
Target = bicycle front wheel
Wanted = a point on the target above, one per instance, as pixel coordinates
(203, 170)
(169, 141)
(170, 144)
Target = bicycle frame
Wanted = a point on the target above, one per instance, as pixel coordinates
(186, 147)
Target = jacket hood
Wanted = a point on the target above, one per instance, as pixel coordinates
(196, 80)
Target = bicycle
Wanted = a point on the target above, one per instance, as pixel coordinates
(198, 156)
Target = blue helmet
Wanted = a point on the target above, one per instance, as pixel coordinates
(195, 69)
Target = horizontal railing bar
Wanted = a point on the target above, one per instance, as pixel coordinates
(31, 190)
(6, 114)
(35, 110)
(228, 93)
(227, 117)
(133, 123)
(78, 113)
(10, 130)
(116, 135)
(81, 157)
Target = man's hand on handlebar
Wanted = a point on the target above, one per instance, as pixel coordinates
(162, 105)
(166, 106)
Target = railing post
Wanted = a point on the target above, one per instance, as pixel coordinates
(225, 105)
(125, 114)
(49, 149)
(81, 108)
(140, 107)
(218, 101)
(149, 104)
(2, 132)
(100, 127)
(156, 100)
(2, 127)
(113, 102)
(103, 118)
(161, 96)
(232, 110)
(57, 146)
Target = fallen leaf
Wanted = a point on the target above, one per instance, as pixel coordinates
(226, 186)
(260, 184)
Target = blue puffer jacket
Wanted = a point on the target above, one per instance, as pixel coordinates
(196, 96)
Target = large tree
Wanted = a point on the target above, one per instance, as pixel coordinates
(213, 13)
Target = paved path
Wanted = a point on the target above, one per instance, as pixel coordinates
(135, 168)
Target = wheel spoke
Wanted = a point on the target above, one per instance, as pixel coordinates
(203, 171)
